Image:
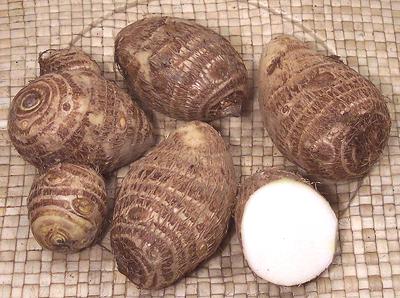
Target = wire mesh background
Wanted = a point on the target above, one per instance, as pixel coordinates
(365, 33)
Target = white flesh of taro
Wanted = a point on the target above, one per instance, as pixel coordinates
(288, 232)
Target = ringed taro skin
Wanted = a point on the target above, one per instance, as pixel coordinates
(173, 208)
(67, 207)
(320, 113)
(75, 115)
(181, 69)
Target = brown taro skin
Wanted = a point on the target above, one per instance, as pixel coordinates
(253, 183)
(67, 207)
(320, 113)
(65, 60)
(77, 116)
(173, 207)
(181, 69)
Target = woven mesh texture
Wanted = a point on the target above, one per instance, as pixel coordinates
(364, 33)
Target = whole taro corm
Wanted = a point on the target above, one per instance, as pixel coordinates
(181, 69)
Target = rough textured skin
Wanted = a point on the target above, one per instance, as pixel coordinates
(173, 208)
(66, 59)
(255, 182)
(67, 206)
(320, 113)
(79, 117)
(182, 69)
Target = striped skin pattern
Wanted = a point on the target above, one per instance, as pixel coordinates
(320, 113)
(67, 207)
(66, 59)
(77, 116)
(182, 69)
(173, 208)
